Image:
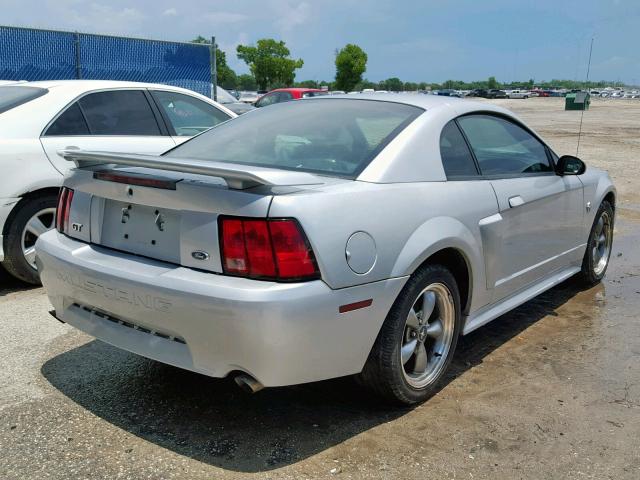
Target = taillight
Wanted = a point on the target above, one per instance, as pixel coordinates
(64, 207)
(272, 249)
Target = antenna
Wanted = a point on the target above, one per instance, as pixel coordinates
(587, 85)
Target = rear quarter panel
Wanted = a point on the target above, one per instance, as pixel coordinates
(408, 222)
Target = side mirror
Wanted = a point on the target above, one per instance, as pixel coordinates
(570, 165)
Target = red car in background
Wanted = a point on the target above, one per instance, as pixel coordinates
(286, 94)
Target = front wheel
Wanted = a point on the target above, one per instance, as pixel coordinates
(417, 340)
(596, 257)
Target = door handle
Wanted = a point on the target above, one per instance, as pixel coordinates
(516, 201)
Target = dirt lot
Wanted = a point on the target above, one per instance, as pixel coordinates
(551, 390)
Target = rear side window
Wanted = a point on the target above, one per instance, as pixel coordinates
(187, 115)
(504, 148)
(14, 96)
(71, 122)
(123, 112)
(456, 156)
(330, 136)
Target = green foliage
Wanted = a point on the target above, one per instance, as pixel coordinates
(269, 62)
(393, 84)
(226, 76)
(351, 63)
(492, 82)
(307, 84)
(246, 81)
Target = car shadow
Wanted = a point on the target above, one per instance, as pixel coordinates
(213, 421)
(9, 284)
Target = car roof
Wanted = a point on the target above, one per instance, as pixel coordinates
(86, 85)
(427, 102)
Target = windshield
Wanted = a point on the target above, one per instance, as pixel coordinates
(224, 97)
(330, 136)
(12, 96)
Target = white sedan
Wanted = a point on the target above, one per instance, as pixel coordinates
(37, 119)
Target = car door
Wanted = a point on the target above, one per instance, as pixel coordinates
(541, 212)
(110, 120)
(186, 115)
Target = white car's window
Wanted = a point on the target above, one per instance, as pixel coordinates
(456, 156)
(71, 122)
(13, 96)
(331, 136)
(504, 148)
(119, 112)
(187, 115)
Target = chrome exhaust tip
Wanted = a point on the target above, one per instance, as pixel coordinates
(248, 383)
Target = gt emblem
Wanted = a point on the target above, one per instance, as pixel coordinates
(200, 255)
(76, 227)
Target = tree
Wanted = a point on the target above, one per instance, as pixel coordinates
(492, 82)
(246, 82)
(226, 76)
(393, 84)
(269, 62)
(351, 63)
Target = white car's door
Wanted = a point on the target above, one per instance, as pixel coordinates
(186, 115)
(112, 120)
(540, 230)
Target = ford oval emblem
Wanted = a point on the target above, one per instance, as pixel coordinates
(200, 255)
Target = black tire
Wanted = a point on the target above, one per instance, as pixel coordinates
(14, 261)
(383, 371)
(588, 273)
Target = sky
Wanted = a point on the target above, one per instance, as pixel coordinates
(413, 40)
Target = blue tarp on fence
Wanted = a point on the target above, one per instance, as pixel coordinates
(30, 54)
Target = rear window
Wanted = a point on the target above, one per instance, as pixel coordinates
(329, 136)
(13, 96)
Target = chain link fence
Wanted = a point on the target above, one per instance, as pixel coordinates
(33, 54)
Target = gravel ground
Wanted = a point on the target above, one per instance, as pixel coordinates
(550, 390)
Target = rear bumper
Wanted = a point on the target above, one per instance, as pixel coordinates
(281, 334)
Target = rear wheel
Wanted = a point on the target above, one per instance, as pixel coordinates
(34, 217)
(417, 340)
(596, 257)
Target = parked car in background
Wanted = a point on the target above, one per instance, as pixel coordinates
(496, 93)
(280, 95)
(449, 92)
(37, 119)
(249, 97)
(353, 235)
(518, 94)
(477, 92)
(232, 103)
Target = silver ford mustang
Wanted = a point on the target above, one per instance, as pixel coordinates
(328, 237)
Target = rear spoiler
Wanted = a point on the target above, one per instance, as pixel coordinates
(238, 177)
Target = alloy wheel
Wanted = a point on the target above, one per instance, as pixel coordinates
(428, 335)
(41, 222)
(601, 243)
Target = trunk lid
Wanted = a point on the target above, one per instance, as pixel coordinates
(166, 214)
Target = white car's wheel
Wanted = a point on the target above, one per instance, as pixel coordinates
(34, 217)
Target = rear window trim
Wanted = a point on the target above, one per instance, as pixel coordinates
(327, 98)
(39, 92)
